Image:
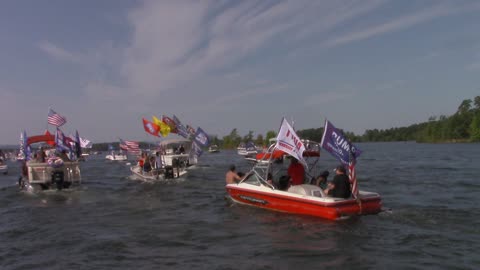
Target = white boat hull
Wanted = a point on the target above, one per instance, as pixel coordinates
(116, 157)
(155, 175)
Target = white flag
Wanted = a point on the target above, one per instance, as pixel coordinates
(84, 143)
(289, 142)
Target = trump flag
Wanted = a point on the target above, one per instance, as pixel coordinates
(289, 142)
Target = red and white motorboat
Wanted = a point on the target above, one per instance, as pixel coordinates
(302, 199)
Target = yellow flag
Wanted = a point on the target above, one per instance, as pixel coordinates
(164, 128)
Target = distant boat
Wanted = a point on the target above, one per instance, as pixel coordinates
(116, 156)
(175, 160)
(213, 149)
(247, 150)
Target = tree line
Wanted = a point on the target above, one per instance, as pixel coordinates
(462, 126)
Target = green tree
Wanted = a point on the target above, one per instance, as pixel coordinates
(475, 128)
(248, 137)
(259, 141)
(270, 134)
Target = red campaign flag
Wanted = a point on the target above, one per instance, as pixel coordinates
(169, 121)
(150, 127)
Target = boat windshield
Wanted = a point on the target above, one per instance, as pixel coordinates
(252, 178)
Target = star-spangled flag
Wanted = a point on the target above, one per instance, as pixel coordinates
(55, 118)
(130, 146)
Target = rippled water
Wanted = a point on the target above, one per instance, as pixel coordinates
(430, 192)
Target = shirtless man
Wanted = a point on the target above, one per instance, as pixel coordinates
(232, 177)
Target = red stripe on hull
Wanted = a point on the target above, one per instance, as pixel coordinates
(294, 205)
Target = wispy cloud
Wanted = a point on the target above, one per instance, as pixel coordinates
(401, 22)
(59, 53)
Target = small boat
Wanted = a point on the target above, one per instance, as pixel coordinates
(213, 148)
(175, 160)
(247, 150)
(116, 156)
(305, 199)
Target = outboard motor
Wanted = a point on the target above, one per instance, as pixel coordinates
(169, 172)
(58, 179)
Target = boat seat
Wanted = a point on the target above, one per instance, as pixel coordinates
(308, 190)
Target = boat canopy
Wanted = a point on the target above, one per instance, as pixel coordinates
(278, 154)
(173, 141)
(47, 138)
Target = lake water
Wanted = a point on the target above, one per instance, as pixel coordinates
(430, 193)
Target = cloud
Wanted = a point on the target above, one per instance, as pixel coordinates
(176, 43)
(400, 23)
(59, 53)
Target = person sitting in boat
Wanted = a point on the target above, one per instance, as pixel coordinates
(321, 180)
(232, 177)
(63, 155)
(339, 187)
(296, 172)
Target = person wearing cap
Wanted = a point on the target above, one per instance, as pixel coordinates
(339, 187)
(296, 172)
(232, 177)
(321, 180)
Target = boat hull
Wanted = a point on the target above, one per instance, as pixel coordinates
(116, 157)
(138, 173)
(328, 208)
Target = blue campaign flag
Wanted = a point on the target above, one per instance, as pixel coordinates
(78, 148)
(196, 150)
(201, 138)
(181, 129)
(60, 141)
(335, 142)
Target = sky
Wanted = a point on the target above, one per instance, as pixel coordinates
(220, 65)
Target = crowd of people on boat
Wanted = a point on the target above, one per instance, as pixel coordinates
(338, 187)
(150, 164)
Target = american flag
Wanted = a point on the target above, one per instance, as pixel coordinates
(56, 119)
(130, 146)
(352, 175)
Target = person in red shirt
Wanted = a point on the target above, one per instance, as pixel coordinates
(296, 172)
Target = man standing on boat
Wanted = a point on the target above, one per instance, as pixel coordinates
(232, 177)
(296, 171)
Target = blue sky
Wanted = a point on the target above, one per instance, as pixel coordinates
(233, 64)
